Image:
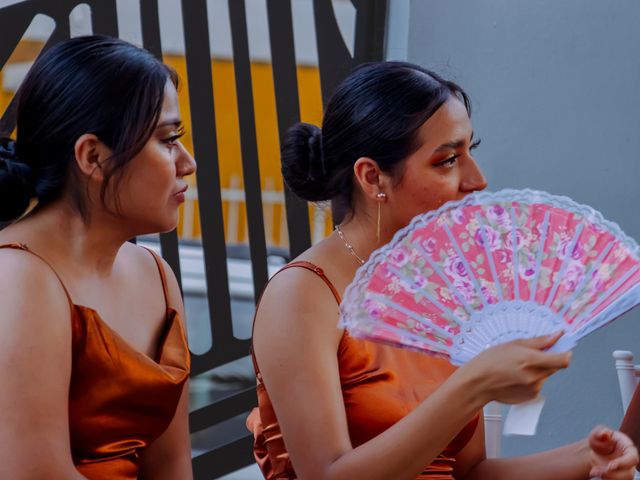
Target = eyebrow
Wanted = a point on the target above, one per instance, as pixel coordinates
(452, 145)
(175, 122)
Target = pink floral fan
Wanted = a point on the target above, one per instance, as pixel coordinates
(492, 268)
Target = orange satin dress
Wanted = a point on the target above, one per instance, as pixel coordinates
(120, 400)
(380, 386)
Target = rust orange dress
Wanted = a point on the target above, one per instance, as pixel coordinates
(380, 385)
(120, 400)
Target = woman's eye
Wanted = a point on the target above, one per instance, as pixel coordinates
(448, 162)
(173, 139)
(475, 144)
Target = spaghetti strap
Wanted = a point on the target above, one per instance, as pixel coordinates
(163, 275)
(25, 248)
(298, 264)
(318, 271)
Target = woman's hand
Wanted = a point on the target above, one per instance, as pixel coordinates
(613, 455)
(515, 371)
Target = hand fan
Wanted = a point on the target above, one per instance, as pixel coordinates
(491, 268)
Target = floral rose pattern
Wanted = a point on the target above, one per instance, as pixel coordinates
(476, 255)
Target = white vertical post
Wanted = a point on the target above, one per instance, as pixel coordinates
(233, 210)
(627, 378)
(284, 231)
(267, 210)
(319, 220)
(493, 429)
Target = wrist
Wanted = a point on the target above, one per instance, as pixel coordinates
(583, 454)
(472, 387)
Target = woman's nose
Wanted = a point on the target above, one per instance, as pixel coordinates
(473, 179)
(186, 165)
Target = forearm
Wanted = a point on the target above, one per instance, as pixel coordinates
(405, 449)
(570, 462)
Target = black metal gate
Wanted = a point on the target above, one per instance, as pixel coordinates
(334, 62)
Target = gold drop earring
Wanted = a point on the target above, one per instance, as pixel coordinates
(381, 196)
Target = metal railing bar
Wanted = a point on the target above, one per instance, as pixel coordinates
(334, 58)
(225, 459)
(370, 30)
(288, 111)
(150, 25)
(104, 17)
(199, 77)
(249, 146)
(223, 409)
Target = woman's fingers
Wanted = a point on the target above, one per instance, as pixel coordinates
(541, 343)
(551, 361)
(601, 441)
(614, 456)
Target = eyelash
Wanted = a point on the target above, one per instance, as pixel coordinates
(449, 162)
(174, 138)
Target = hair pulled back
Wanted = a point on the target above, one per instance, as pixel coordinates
(94, 84)
(375, 113)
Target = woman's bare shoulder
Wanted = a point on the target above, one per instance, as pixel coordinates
(33, 301)
(27, 275)
(300, 302)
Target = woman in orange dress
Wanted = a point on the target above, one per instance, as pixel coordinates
(396, 141)
(93, 353)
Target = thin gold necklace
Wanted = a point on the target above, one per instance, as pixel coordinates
(352, 251)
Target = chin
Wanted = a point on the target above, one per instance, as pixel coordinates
(164, 227)
(145, 227)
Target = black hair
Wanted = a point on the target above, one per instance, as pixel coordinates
(93, 84)
(376, 113)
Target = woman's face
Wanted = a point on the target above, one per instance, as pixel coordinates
(152, 186)
(442, 169)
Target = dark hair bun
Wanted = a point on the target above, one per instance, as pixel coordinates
(16, 182)
(303, 165)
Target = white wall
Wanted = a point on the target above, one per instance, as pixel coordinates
(555, 88)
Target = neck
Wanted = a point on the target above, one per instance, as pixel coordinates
(360, 233)
(91, 246)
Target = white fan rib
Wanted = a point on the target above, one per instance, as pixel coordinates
(565, 264)
(584, 281)
(462, 256)
(487, 250)
(444, 277)
(514, 254)
(542, 240)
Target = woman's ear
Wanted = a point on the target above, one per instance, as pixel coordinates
(371, 179)
(90, 154)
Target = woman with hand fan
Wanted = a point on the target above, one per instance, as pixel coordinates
(396, 142)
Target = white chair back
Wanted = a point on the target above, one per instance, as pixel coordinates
(628, 375)
(493, 429)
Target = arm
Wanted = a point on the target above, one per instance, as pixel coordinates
(169, 457)
(296, 341)
(35, 371)
(570, 462)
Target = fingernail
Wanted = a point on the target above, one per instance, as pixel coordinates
(613, 466)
